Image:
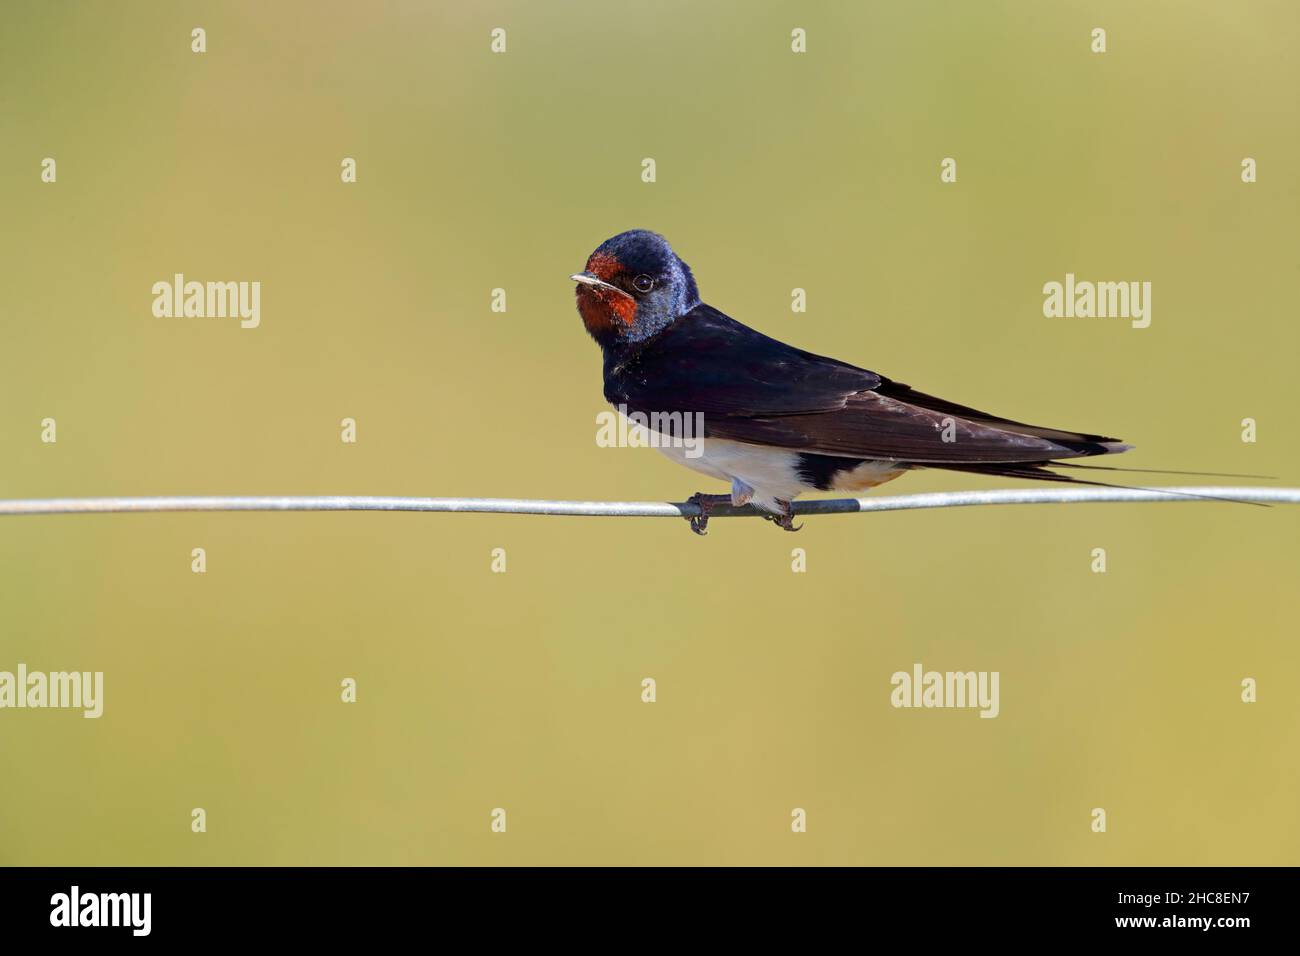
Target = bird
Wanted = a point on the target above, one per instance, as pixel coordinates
(779, 421)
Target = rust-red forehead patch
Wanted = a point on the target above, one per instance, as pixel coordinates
(604, 266)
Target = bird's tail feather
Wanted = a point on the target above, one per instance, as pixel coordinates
(1161, 471)
(1037, 471)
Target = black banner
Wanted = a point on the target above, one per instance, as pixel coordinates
(234, 904)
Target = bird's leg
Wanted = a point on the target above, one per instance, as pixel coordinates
(706, 503)
(741, 493)
(785, 519)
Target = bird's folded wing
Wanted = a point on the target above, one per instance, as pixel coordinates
(871, 425)
(751, 388)
(710, 363)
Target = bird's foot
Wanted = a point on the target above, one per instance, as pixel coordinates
(785, 520)
(700, 522)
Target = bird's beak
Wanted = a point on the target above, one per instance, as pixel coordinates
(586, 278)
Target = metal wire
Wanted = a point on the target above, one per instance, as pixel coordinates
(636, 509)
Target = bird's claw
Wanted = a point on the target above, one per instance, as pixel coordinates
(699, 523)
(785, 520)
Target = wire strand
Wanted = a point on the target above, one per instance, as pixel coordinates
(634, 509)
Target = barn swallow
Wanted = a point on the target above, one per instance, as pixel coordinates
(779, 421)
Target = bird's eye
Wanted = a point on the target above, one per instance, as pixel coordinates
(643, 283)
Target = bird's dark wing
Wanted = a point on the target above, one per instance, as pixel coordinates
(752, 388)
(708, 362)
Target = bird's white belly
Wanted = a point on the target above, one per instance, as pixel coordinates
(772, 472)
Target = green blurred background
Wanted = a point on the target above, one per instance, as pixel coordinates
(522, 690)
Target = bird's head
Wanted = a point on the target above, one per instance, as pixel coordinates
(633, 287)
